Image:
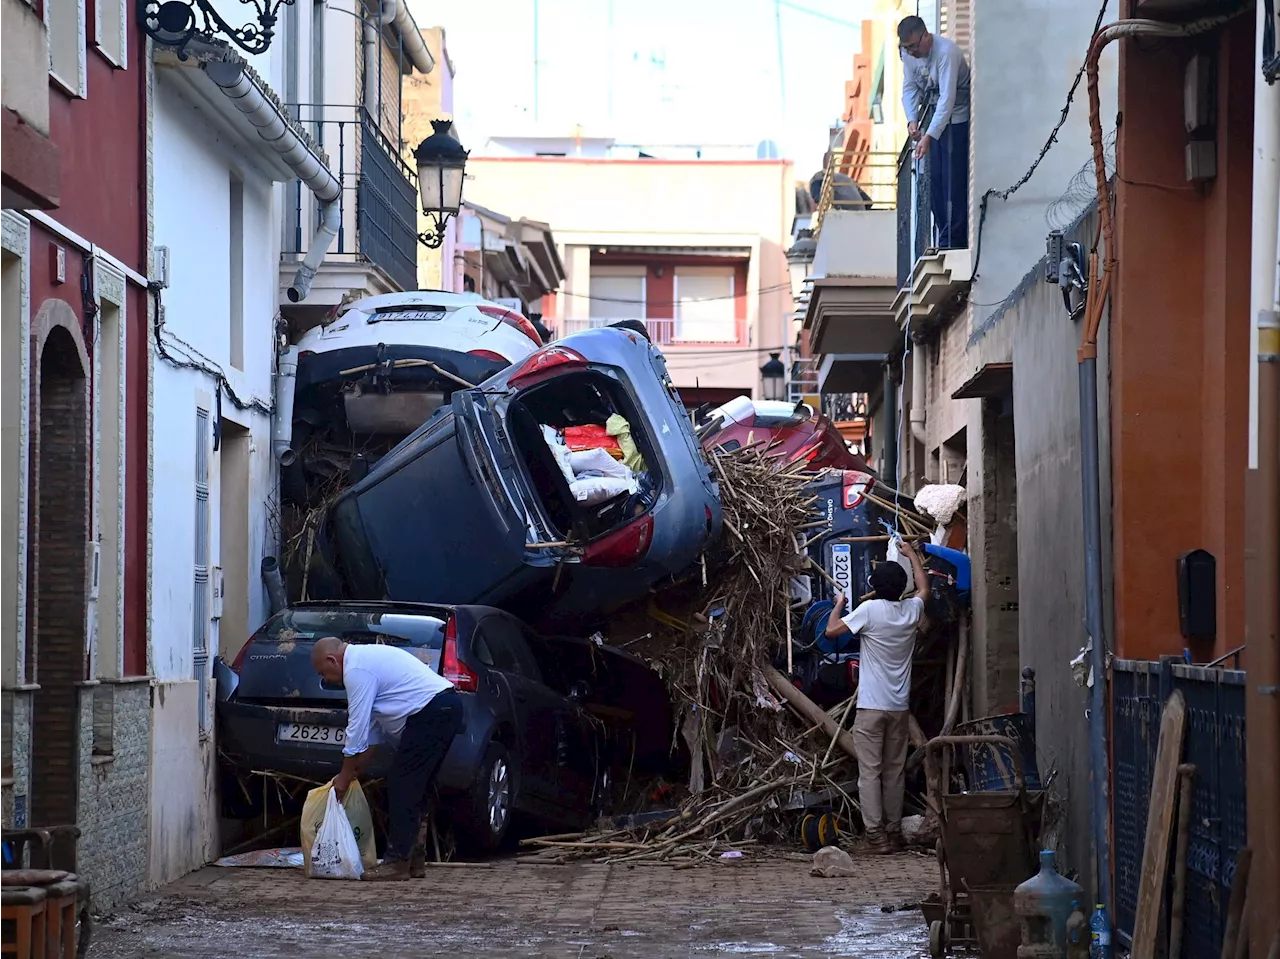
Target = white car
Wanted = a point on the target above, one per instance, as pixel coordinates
(395, 358)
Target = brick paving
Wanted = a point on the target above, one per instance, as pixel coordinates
(771, 907)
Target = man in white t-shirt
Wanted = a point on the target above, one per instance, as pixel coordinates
(413, 707)
(886, 626)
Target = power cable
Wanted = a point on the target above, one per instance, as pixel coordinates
(195, 360)
(790, 5)
(693, 299)
(1044, 150)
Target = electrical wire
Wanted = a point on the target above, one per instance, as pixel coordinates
(693, 299)
(1044, 150)
(194, 359)
(838, 21)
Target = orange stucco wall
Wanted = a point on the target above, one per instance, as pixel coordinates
(1179, 344)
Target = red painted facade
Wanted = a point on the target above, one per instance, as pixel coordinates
(660, 282)
(102, 138)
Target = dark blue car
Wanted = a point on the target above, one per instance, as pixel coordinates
(474, 506)
(532, 742)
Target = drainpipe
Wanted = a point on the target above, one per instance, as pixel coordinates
(919, 409)
(286, 380)
(266, 117)
(1262, 498)
(411, 37)
(373, 27)
(891, 427)
(1087, 357)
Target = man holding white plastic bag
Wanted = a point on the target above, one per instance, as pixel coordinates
(886, 626)
(415, 708)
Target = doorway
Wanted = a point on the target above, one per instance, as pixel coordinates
(61, 481)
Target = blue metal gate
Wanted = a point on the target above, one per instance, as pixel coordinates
(1215, 744)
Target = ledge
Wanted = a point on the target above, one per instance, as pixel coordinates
(933, 293)
(127, 680)
(21, 688)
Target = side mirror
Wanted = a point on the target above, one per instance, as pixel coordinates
(580, 691)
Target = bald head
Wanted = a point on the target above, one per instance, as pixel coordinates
(326, 658)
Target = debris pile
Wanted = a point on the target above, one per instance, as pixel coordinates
(754, 741)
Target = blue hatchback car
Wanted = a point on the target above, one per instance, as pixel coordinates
(475, 506)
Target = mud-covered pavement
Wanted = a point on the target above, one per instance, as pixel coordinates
(581, 911)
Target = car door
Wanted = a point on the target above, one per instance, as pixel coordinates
(577, 740)
(535, 707)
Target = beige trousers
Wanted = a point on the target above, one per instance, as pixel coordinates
(880, 737)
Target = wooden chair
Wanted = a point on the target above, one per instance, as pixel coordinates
(61, 905)
(24, 906)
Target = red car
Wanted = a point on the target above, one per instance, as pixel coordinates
(796, 431)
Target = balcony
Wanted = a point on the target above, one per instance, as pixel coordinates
(376, 250)
(932, 281)
(671, 332)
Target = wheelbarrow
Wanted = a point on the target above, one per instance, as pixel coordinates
(987, 847)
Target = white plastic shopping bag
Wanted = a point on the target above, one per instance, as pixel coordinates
(336, 854)
(897, 553)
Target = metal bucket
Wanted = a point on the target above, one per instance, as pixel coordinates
(995, 924)
(989, 766)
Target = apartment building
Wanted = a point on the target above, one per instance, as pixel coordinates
(694, 247)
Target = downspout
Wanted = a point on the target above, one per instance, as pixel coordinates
(411, 37)
(1087, 358)
(890, 425)
(919, 409)
(373, 27)
(1262, 502)
(265, 116)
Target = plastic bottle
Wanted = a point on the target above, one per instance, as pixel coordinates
(1100, 933)
(1043, 904)
(1078, 936)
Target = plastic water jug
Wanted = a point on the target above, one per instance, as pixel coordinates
(1043, 904)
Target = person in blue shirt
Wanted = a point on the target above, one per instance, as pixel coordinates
(935, 72)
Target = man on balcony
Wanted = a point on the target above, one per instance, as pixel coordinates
(935, 73)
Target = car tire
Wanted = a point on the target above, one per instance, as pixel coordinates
(486, 815)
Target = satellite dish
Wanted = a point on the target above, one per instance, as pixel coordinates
(767, 150)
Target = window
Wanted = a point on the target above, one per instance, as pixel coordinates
(506, 647)
(617, 293)
(109, 35)
(64, 20)
(705, 305)
(235, 219)
(200, 597)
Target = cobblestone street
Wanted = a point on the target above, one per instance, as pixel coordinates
(770, 908)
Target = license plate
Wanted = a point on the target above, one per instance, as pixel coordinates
(312, 735)
(413, 315)
(842, 568)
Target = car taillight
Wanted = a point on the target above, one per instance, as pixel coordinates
(452, 668)
(544, 362)
(624, 547)
(488, 355)
(514, 320)
(856, 485)
(239, 660)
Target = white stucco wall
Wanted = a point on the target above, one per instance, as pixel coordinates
(857, 243)
(194, 168)
(1023, 61)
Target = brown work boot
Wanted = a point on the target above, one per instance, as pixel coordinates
(896, 842)
(392, 870)
(878, 844)
(418, 864)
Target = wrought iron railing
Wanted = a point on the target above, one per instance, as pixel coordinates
(915, 215)
(1215, 744)
(803, 379)
(379, 194)
(672, 332)
(859, 180)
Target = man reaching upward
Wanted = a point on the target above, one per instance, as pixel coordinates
(886, 626)
(415, 708)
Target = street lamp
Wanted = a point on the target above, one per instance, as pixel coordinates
(774, 375)
(441, 165)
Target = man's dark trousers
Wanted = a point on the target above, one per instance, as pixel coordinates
(427, 736)
(949, 186)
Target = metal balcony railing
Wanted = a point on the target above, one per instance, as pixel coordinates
(379, 194)
(858, 180)
(666, 331)
(803, 380)
(915, 216)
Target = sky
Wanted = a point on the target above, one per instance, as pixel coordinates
(652, 72)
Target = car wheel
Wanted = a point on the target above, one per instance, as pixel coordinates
(489, 805)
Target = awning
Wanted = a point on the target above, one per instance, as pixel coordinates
(992, 381)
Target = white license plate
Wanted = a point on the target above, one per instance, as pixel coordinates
(842, 568)
(413, 315)
(312, 735)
